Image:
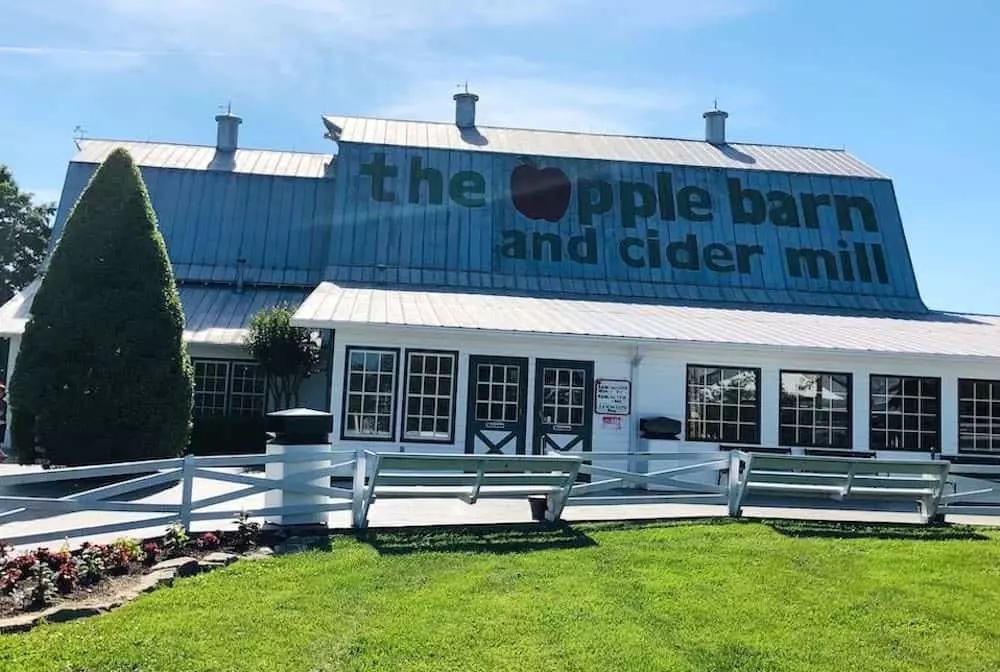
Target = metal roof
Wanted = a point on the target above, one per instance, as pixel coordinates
(221, 315)
(212, 314)
(203, 157)
(279, 225)
(333, 306)
(634, 149)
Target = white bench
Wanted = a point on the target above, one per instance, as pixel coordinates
(838, 479)
(466, 477)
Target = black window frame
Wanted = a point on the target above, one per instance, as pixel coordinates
(229, 363)
(937, 428)
(687, 405)
(993, 437)
(345, 393)
(405, 395)
(850, 407)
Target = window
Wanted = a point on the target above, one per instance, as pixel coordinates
(430, 396)
(246, 390)
(370, 394)
(978, 415)
(815, 410)
(563, 396)
(224, 387)
(722, 404)
(905, 413)
(498, 391)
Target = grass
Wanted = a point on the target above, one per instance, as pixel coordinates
(695, 596)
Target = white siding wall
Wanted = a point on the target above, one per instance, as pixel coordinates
(610, 361)
(660, 382)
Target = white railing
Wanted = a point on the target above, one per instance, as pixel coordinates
(973, 489)
(707, 477)
(170, 472)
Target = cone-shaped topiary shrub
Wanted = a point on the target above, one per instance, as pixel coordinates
(103, 374)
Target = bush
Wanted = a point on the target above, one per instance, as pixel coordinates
(175, 540)
(103, 374)
(208, 541)
(247, 532)
(150, 551)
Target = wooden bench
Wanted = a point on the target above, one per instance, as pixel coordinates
(839, 479)
(466, 477)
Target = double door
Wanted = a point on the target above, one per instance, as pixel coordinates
(498, 406)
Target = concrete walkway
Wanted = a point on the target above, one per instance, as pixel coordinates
(420, 512)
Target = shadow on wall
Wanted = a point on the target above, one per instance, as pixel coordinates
(832, 530)
(497, 539)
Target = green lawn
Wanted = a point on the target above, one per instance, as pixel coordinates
(693, 596)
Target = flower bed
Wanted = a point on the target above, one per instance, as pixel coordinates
(37, 579)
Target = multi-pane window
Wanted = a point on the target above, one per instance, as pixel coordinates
(723, 404)
(369, 398)
(246, 390)
(211, 380)
(979, 415)
(905, 413)
(224, 387)
(498, 391)
(430, 396)
(815, 410)
(563, 396)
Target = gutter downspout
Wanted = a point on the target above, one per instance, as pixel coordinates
(633, 435)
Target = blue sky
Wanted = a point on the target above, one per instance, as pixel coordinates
(907, 85)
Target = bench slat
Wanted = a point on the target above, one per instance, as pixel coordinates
(842, 465)
(462, 463)
(396, 479)
(484, 493)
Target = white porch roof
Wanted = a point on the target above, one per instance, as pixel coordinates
(212, 315)
(944, 334)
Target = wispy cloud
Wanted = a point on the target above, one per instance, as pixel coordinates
(260, 47)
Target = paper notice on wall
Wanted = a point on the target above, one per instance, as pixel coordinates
(613, 397)
(611, 422)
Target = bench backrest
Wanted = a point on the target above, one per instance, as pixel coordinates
(415, 469)
(845, 473)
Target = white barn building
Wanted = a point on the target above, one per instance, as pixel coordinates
(486, 289)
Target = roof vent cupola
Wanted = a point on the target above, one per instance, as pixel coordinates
(715, 125)
(465, 109)
(228, 138)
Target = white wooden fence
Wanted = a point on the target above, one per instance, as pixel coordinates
(170, 472)
(711, 477)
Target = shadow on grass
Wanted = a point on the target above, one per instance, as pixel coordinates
(497, 539)
(837, 530)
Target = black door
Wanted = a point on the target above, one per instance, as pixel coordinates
(564, 406)
(498, 403)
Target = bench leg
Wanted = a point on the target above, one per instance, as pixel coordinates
(554, 507)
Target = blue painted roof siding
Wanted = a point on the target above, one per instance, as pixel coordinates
(409, 241)
(209, 219)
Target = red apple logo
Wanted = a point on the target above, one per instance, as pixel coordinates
(540, 193)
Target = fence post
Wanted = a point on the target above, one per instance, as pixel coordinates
(734, 490)
(187, 488)
(358, 512)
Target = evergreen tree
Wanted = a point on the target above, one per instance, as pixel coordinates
(103, 374)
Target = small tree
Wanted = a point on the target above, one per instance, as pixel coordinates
(286, 354)
(103, 374)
